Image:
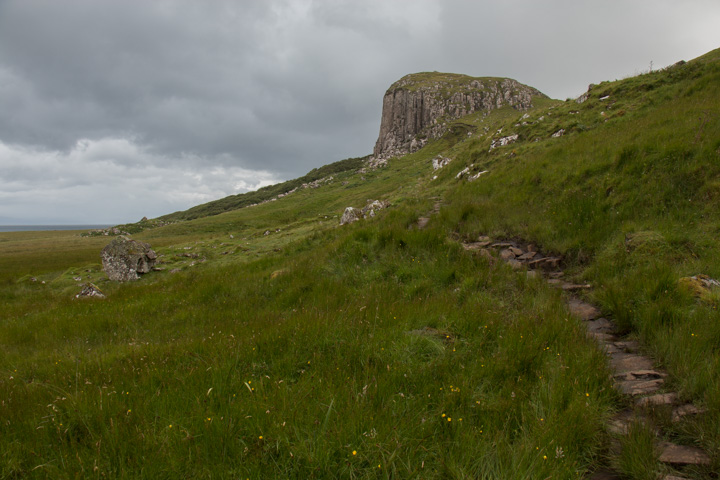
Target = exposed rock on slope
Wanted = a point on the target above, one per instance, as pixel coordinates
(418, 107)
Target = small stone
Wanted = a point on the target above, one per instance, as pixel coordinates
(516, 251)
(503, 244)
(547, 263)
(90, 290)
(685, 410)
(527, 255)
(682, 455)
(507, 254)
(574, 287)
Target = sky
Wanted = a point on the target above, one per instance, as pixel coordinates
(115, 110)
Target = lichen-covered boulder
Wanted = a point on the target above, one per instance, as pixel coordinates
(124, 259)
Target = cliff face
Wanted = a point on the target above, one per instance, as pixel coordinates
(418, 107)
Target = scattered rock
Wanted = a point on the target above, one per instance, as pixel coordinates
(124, 259)
(559, 133)
(685, 410)
(90, 290)
(476, 176)
(501, 142)
(372, 206)
(462, 172)
(353, 214)
(439, 162)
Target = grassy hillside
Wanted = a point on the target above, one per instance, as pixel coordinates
(286, 346)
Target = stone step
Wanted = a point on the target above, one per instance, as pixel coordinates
(574, 287)
(639, 387)
(682, 455)
(605, 475)
(621, 422)
(657, 400)
(601, 325)
(583, 309)
(627, 362)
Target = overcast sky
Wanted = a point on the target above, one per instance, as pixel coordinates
(115, 110)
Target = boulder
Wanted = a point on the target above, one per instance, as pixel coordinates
(350, 215)
(124, 259)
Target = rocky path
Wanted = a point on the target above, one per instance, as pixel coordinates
(635, 375)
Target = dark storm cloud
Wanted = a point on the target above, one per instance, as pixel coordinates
(171, 103)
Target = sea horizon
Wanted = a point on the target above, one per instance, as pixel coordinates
(38, 228)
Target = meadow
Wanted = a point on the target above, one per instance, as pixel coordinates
(377, 349)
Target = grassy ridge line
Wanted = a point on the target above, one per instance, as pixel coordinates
(265, 193)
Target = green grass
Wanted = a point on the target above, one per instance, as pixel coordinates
(376, 350)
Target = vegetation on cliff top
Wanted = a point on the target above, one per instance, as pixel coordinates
(378, 350)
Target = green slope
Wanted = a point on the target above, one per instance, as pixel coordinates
(376, 349)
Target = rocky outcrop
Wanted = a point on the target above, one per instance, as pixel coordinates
(419, 107)
(353, 214)
(124, 259)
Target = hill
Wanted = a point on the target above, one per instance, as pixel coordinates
(276, 343)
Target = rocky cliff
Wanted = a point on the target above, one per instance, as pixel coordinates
(419, 107)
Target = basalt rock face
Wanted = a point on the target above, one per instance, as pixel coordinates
(419, 107)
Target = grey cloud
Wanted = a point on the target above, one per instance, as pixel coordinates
(267, 90)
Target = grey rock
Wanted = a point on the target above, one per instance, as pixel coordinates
(90, 290)
(350, 215)
(125, 260)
